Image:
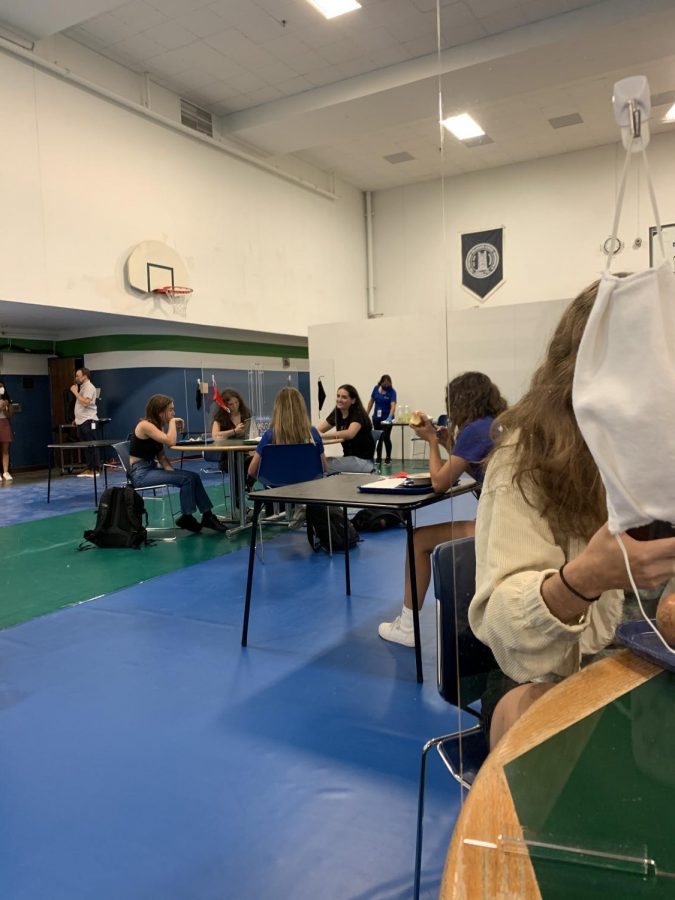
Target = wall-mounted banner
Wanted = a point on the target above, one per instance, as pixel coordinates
(483, 262)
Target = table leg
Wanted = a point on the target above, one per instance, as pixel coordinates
(236, 469)
(402, 448)
(50, 460)
(413, 592)
(232, 477)
(257, 504)
(345, 524)
(95, 489)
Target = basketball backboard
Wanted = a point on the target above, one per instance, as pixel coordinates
(153, 264)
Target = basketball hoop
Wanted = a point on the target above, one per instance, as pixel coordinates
(177, 296)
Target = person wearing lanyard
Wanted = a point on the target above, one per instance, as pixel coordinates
(383, 399)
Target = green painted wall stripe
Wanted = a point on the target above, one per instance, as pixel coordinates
(176, 343)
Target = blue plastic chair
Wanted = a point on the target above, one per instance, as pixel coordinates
(464, 664)
(282, 464)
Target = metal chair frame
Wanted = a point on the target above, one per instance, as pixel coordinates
(122, 451)
(461, 658)
(283, 464)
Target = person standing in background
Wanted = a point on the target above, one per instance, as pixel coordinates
(384, 400)
(85, 417)
(6, 436)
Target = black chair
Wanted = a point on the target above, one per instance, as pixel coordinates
(122, 451)
(464, 664)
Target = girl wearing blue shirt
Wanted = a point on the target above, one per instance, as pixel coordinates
(473, 402)
(289, 425)
(383, 399)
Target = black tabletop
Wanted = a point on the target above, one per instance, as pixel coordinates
(342, 490)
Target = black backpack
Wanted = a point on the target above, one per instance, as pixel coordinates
(119, 520)
(377, 519)
(317, 529)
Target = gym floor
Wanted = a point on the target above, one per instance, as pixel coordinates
(146, 755)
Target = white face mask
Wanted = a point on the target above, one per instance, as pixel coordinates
(624, 394)
(2, 392)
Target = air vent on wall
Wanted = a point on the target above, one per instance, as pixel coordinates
(565, 121)
(193, 117)
(395, 158)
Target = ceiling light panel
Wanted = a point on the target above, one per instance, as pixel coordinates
(332, 8)
(463, 127)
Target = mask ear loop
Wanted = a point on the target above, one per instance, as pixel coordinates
(622, 190)
(656, 631)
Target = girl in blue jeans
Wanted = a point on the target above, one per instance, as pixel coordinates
(150, 465)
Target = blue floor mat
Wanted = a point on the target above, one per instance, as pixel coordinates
(146, 755)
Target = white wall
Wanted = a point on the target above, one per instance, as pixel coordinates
(23, 364)
(170, 359)
(556, 213)
(423, 353)
(86, 180)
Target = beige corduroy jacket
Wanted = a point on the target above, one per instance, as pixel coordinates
(515, 551)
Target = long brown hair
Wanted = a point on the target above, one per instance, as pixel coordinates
(555, 471)
(223, 417)
(359, 413)
(290, 423)
(471, 396)
(155, 407)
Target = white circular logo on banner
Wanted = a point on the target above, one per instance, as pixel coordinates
(482, 260)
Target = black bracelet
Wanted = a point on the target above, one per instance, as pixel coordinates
(572, 590)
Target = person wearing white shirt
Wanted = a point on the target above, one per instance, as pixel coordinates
(86, 417)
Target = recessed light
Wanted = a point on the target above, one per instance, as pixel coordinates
(670, 115)
(332, 8)
(463, 127)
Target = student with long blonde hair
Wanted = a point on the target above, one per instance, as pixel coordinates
(289, 425)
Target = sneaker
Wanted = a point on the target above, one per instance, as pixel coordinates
(393, 631)
(299, 518)
(209, 520)
(7, 477)
(87, 473)
(189, 523)
(387, 462)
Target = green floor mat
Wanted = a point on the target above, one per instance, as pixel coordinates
(42, 569)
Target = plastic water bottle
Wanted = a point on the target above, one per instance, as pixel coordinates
(397, 417)
(406, 414)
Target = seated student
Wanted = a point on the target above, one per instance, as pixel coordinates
(150, 465)
(550, 577)
(231, 423)
(473, 401)
(289, 425)
(353, 428)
